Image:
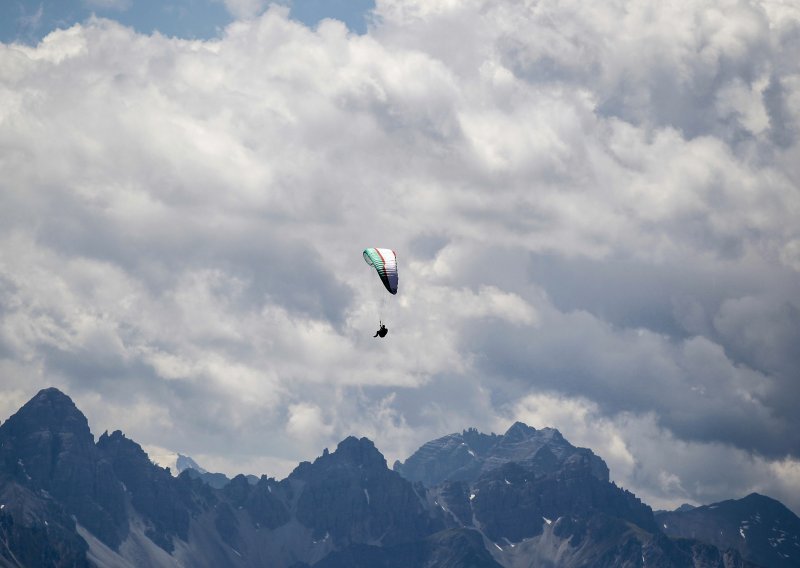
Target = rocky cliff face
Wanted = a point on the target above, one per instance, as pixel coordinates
(761, 529)
(352, 496)
(512, 503)
(35, 530)
(568, 517)
(47, 448)
(454, 548)
(164, 503)
(525, 498)
(466, 456)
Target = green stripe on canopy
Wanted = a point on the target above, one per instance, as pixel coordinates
(385, 263)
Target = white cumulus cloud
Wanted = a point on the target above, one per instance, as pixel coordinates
(594, 206)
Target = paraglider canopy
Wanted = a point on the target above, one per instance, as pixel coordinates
(385, 263)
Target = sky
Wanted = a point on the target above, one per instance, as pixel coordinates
(29, 21)
(595, 209)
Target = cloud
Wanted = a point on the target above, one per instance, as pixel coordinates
(661, 469)
(593, 207)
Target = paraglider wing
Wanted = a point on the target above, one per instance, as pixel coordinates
(385, 262)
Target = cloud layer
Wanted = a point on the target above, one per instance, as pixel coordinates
(595, 211)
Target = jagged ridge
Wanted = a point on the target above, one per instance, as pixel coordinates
(539, 499)
(468, 455)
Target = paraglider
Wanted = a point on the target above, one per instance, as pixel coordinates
(385, 263)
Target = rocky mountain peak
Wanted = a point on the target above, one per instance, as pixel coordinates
(759, 527)
(185, 462)
(520, 430)
(757, 499)
(352, 496)
(476, 441)
(47, 445)
(358, 452)
(524, 438)
(551, 434)
(466, 456)
(352, 454)
(118, 445)
(155, 494)
(526, 497)
(46, 439)
(52, 411)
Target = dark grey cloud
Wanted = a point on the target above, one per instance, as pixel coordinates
(690, 385)
(783, 131)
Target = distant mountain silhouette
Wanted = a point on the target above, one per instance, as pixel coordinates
(524, 498)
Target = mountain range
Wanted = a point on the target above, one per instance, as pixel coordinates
(524, 498)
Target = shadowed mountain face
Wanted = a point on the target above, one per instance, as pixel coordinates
(761, 529)
(525, 498)
(572, 492)
(352, 496)
(466, 456)
(47, 448)
(153, 492)
(454, 548)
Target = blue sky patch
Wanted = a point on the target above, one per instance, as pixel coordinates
(28, 21)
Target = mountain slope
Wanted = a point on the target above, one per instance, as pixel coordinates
(47, 448)
(352, 496)
(528, 498)
(466, 456)
(763, 530)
